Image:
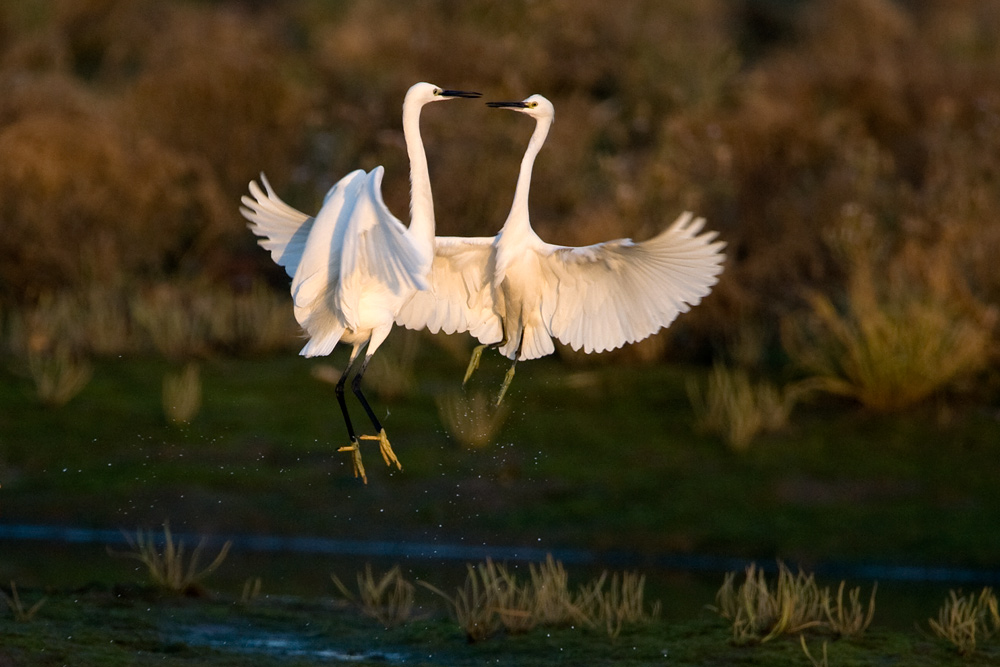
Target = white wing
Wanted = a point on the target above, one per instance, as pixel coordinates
(602, 296)
(356, 247)
(458, 297)
(283, 229)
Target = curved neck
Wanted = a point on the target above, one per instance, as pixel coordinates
(421, 199)
(519, 209)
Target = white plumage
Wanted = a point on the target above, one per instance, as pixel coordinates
(518, 292)
(354, 264)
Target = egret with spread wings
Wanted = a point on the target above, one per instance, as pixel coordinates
(518, 293)
(353, 265)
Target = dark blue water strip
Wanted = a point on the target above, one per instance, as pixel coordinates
(468, 552)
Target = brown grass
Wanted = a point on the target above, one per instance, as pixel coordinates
(494, 598)
(388, 598)
(966, 621)
(759, 611)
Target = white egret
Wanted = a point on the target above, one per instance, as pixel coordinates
(517, 292)
(354, 264)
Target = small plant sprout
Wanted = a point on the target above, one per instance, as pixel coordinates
(167, 570)
(16, 607)
(388, 599)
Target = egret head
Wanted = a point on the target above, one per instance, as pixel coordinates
(422, 93)
(536, 106)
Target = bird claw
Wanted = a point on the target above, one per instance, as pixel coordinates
(506, 384)
(359, 468)
(385, 448)
(477, 353)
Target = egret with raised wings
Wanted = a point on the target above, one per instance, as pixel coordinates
(353, 265)
(517, 292)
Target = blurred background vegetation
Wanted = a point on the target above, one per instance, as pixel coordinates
(847, 151)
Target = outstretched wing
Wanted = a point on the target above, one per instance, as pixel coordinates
(602, 296)
(458, 297)
(283, 229)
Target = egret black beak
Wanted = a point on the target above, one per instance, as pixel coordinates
(507, 105)
(460, 93)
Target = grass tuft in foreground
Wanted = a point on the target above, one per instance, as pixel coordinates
(965, 621)
(388, 599)
(168, 570)
(759, 613)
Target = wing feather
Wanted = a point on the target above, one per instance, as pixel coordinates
(283, 229)
(602, 296)
(458, 297)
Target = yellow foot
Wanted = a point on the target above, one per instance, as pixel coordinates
(359, 468)
(477, 352)
(506, 384)
(385, 448)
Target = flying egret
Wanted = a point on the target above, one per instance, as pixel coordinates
(354, 264)
(517, 292)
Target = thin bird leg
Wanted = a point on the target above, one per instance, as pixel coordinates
(383, 441)
(477, 352)
(359, 468)
(510, 373)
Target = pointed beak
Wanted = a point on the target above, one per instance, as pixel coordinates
(507, 105)
(460, 93)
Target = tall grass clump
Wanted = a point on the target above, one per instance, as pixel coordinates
(168, 569)
(621, 603)
(738, 409)
(388, 599)
(895, 340)
(493, 598)
(967, 621)
(758, 612)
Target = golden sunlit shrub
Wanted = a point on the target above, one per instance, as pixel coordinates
(895, 341)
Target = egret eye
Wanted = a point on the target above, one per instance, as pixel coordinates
(437, 91)
(532, 105)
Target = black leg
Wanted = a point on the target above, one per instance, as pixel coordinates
(343, 404)
(383, 440)
(353, 448)
(356, 388)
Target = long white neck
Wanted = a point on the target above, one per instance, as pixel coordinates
(421, 199)
(518, 216)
